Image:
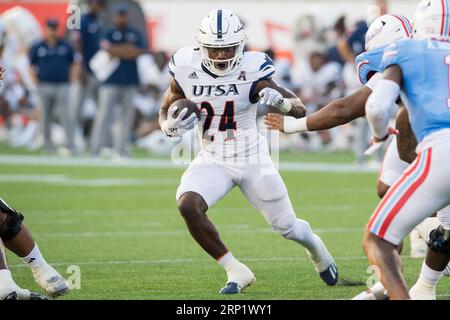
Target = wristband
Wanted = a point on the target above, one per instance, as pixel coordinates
(284, 105)
(292, 125)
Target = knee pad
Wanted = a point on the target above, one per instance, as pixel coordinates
(12, 224)
(299, 231)
(440, 241)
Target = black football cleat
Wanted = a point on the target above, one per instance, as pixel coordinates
(330, 275)
(12, 296)
(37, 296)
(231, 288)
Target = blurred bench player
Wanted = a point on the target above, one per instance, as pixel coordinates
(401, 151)
(419, 69)
(227, 83)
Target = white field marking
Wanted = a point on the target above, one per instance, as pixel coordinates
(165, 163)
(48, 222)
(195, 261)
(166, 233)
(68, 181)
(95, 212)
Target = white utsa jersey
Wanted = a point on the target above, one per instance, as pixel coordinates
(228, 103)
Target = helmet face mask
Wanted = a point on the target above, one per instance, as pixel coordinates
(432, 20)
(221, 39)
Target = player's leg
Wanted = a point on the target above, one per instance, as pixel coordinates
(9, 290)
(202, 185)
(193, 208)
(384, 255)
(417, 194)
(391, 170)
(436, 261)
(266, 191)
(18, 239)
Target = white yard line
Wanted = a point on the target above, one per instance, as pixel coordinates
(178, 261)
(227, 229)
(165, 163)
(63, 180)
(172, 208)
(194, 261)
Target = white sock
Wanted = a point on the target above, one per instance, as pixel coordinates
(378, 290)
(428, 276)
(228, 262)
(314, 245)
(6, 279)
(34, 259)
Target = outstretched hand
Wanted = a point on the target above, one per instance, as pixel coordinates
(274, 121)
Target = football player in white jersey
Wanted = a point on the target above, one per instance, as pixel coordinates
(226, 83)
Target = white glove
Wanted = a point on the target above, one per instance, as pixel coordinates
(176, 127)
(273, 98)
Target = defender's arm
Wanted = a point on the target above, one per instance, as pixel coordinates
(384, 95)
(336, 113)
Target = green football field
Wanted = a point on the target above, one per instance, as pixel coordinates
(120, 226)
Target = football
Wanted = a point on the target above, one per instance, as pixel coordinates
(186, 103)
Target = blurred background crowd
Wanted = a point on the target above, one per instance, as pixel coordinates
(84, 78)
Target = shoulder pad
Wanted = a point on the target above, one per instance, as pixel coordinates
(183, 58)
(399, 51)
(259, 65)
(368, 62)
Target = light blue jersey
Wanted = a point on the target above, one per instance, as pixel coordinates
(368, 63)
(426, 89)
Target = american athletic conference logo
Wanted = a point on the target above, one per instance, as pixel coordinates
(243, 76)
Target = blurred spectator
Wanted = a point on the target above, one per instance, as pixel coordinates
(52, 60)
(136, 17)
(339, 29)
(378, 9)
(349, 48)
(124, 43)
(283, 67)
(322, 85)
(354, 43)
(87, 42)
(148, 99)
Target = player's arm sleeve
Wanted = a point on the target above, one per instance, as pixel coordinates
(378, 105)
(372, 83)
(172, 68)
(265, 71)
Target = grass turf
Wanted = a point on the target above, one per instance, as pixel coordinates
(122, 228)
